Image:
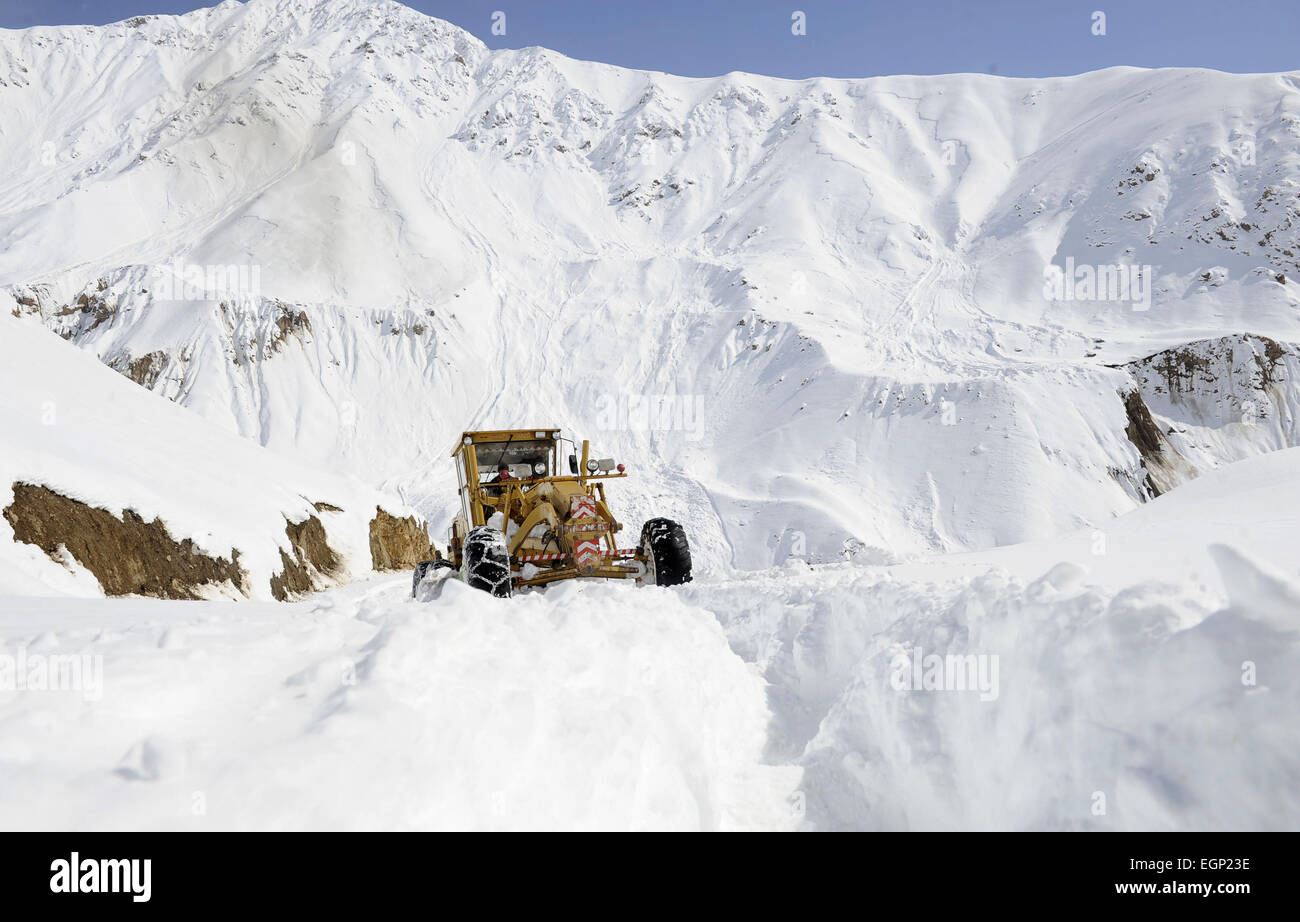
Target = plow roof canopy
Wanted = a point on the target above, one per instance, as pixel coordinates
(547, 434)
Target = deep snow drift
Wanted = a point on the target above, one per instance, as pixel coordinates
(595, 707)
(1148, 672)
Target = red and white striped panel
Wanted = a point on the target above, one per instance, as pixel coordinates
(582, 507)
(586, 554)
(531, 558)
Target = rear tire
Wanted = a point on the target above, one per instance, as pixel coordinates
(667, 553)
(487, 561)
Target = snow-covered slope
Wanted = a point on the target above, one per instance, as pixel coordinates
(808, 314)
(76, 428)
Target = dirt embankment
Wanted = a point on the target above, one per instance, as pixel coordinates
(128, 556)
(313, 560)
(398, 544)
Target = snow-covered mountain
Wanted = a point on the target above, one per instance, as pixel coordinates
(808, 314)
(259, 264)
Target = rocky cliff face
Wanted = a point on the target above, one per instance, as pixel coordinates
(399, 543)
(1212, 402)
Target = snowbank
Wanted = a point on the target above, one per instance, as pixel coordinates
(1142, 677)
(1086, 709)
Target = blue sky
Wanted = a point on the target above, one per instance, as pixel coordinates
(1020, 38)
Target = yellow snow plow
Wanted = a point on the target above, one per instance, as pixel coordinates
(523, 523)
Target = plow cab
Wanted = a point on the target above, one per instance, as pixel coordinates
(524, 521)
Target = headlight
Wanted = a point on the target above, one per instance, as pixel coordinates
(539, 468)
(592, 464)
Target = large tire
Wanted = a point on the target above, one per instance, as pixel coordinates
(423, 568)
(486, 562)
(667, 553)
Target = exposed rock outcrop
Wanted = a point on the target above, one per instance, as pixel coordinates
(1230, 367)
(142, 369)
(396, 544)
(1164, 467)
(1211, 402)
(313, 562)
(128, 555)
(97, 304)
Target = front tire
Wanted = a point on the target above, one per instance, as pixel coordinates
(667, 553)
(487, 561)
